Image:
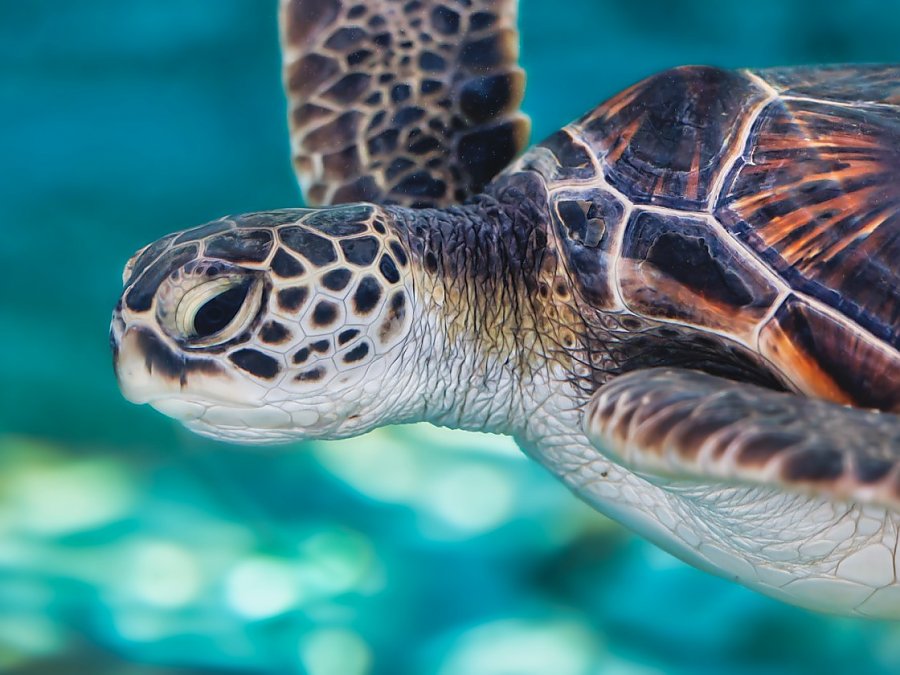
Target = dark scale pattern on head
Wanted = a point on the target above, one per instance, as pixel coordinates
(311, 375)
(256, 363)
(301, 356)
(336, 280)
(357, 354)
(274, 333)
(344, 221)
(347, 335)
(270, 218)
(316, 249)
(399, 254)
(367, 295)
(140, 296)
(388, 269)
(287, 266)
(292, 299)
(148, 256)
(372, 80)
(198, 233)
(361, 251)
(320, 346)
(240, 246)
(324, 314)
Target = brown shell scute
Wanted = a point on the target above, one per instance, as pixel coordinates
(664, 140)
(678, 268)
(817, 196)
(829, 357)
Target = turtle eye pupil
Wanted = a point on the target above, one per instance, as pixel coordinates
(216, 313)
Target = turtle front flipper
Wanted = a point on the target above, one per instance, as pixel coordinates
(683, 424)
(412, 103)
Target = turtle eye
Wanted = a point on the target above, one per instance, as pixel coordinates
(216, 310)
(215, 314)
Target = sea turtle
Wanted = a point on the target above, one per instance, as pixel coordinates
(684, 304)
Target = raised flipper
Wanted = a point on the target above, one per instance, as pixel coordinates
(683, 424)
(410, 102)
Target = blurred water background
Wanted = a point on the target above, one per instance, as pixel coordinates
(129, 546)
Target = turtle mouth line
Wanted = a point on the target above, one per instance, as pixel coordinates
(241, 435)
(200, 400)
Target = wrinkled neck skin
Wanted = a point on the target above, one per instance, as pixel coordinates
(479, 347)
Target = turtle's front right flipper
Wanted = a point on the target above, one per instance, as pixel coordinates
(683, 424)
(412, 103)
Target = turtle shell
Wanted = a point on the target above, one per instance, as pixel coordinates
(758, 207)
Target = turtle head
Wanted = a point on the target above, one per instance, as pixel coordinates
(270, 327)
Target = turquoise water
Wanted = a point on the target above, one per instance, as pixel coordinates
(130, 546)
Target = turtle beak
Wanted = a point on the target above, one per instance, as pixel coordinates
(146, 368)
(151, 371)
